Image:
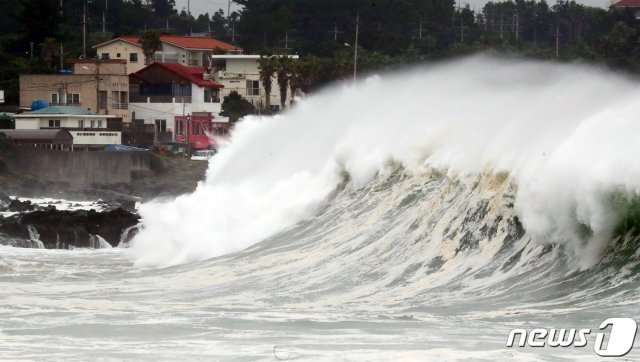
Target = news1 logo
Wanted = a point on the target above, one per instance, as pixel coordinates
(619, 343)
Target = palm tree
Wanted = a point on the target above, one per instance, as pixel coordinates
(151, 43)
(304, 75)
(285, 67)
(267, 66)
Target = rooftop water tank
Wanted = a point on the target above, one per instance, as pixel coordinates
(39, 104)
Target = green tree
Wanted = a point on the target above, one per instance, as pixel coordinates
(41, 19)
(236, 107)
(283, 73)
(49, 50)
(267, 67)
(163, 8)
(151, 43)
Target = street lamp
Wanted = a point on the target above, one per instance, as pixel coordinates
(355, 49)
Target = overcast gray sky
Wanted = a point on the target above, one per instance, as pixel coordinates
(205, 6)
(211, 6)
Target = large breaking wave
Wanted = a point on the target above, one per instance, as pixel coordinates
(502, 160)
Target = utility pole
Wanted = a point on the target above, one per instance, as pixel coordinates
(419, 30)
(517, 26)
(189, 127)
(104, 16)
(228, 14)
(501, 20)
(84, 30)
(61, 56)
(31, 50)
(557, 42)
(462, 29)
(189, 16)
(97, 85)
(355, 51)
(286, 42)
(233, 38)
(335, 31)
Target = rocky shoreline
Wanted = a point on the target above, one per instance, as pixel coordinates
(111, 220)
(32, 225)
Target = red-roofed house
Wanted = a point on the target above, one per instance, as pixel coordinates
(161, 91)
(631, 4)
(185, 50)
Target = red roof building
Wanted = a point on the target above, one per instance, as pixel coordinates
(185, 50)
(626, 4)
(160, 92)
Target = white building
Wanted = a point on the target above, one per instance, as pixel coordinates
(184, 50)
(87, 128)
(162, 91)
(241, 73)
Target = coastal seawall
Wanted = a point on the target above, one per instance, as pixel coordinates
(79, 167)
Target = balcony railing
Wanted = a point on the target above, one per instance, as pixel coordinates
(166, 59)
(118, 105)
(65, 104)
(248, 92)
(138, 98)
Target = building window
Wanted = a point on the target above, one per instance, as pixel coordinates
(133, 57)
(180, 129)
(73, 98)
(54, 98)
(99, 123)
(93, 123)
(253, 88)
(161, 125)
(102, 100)
(104, 55)
(118, 55)
(81, 123)
(211, 96)
(54, 123)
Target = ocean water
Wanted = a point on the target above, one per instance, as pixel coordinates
(418, 216)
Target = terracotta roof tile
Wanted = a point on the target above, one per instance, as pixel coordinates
(187, 42)
(192, 74)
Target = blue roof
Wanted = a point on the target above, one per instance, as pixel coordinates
(63, 110)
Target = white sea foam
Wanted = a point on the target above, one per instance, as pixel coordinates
(567, 135)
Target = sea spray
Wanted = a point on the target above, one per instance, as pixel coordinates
(98, 242)
(566, 135)
(34, 238)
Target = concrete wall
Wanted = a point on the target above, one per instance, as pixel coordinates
(124, 49)
(43, 86)
(167, 111)
(78, 168)
(96, 137)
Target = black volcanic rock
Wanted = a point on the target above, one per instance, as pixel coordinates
(58, 228)
(20, 206)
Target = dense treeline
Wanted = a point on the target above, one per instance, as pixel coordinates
(33, 33)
